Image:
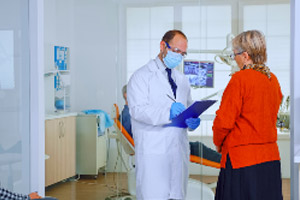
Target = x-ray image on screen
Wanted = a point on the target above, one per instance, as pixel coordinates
(200, 73)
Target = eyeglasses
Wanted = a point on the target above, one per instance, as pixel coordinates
(176, 50)
(233, 55)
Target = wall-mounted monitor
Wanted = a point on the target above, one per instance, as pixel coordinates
(200, 73)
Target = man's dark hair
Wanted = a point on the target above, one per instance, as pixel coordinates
(171, 34)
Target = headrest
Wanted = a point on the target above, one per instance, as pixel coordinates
(115, 114)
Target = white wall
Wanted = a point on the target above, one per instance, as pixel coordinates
(95, 69)
(90, 29)
(58, 31)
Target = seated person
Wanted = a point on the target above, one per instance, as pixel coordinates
(197, 148)
(201, 150)
(8, 195)
(125, 116)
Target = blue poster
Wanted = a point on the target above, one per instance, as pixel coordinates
(61, 57)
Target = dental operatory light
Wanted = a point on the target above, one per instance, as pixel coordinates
(224, 56)
(221, 56)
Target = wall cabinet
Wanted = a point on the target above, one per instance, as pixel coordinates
(91, 148)
(60, 144)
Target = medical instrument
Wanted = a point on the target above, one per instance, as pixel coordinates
(171, 98)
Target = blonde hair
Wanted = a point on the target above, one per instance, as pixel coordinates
(253, 42)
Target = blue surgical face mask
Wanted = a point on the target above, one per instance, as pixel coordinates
(172, 59)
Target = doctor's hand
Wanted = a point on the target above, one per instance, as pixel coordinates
(176, 109)
(192, 123)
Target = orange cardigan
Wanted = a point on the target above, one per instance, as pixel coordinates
(245, 124)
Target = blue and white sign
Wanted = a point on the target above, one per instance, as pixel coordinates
(61, 57)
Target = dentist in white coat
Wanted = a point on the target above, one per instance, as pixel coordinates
(161, 153)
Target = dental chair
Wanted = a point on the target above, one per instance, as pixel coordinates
(195, 190)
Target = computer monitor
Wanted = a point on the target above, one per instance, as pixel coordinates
(200, 73)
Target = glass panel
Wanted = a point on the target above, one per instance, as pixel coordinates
(278, 52)
(154, 22)
(257, 20)
(142, 31)
(273, 19)
(161, 19)
(220, 24)
(14, 96)
(205, 32)
(105, 53)
(7, 65)
(276, 27)
(138, 53)
(191, 17)
(278, 19)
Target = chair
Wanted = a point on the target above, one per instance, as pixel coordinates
(125, 140)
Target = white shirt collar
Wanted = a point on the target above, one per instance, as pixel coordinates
(160, 65)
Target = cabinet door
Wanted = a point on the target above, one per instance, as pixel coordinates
(60, 146)
(86, 133)
(52, 144)
(101, 148)
(68, 147)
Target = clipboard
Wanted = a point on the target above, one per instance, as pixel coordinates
(193, 111)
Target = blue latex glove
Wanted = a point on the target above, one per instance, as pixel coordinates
(176, 109)
(192, 123)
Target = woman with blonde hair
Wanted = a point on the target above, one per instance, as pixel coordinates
(245, 126)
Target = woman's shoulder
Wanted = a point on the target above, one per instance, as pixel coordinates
(274, 77)
(248, 74)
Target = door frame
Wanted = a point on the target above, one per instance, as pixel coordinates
(37, 108)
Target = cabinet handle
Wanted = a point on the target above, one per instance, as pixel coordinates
(60, 124)
(64, 129)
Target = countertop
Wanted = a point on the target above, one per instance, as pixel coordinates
(56, 115)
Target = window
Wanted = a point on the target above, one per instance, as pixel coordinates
(145, 27)
(274, 21)
(207, 28)
(207, 33)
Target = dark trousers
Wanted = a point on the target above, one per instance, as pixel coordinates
(257, 182)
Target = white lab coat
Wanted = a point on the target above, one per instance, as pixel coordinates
(161, 153)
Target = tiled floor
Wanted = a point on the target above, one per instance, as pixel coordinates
(90, 188)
